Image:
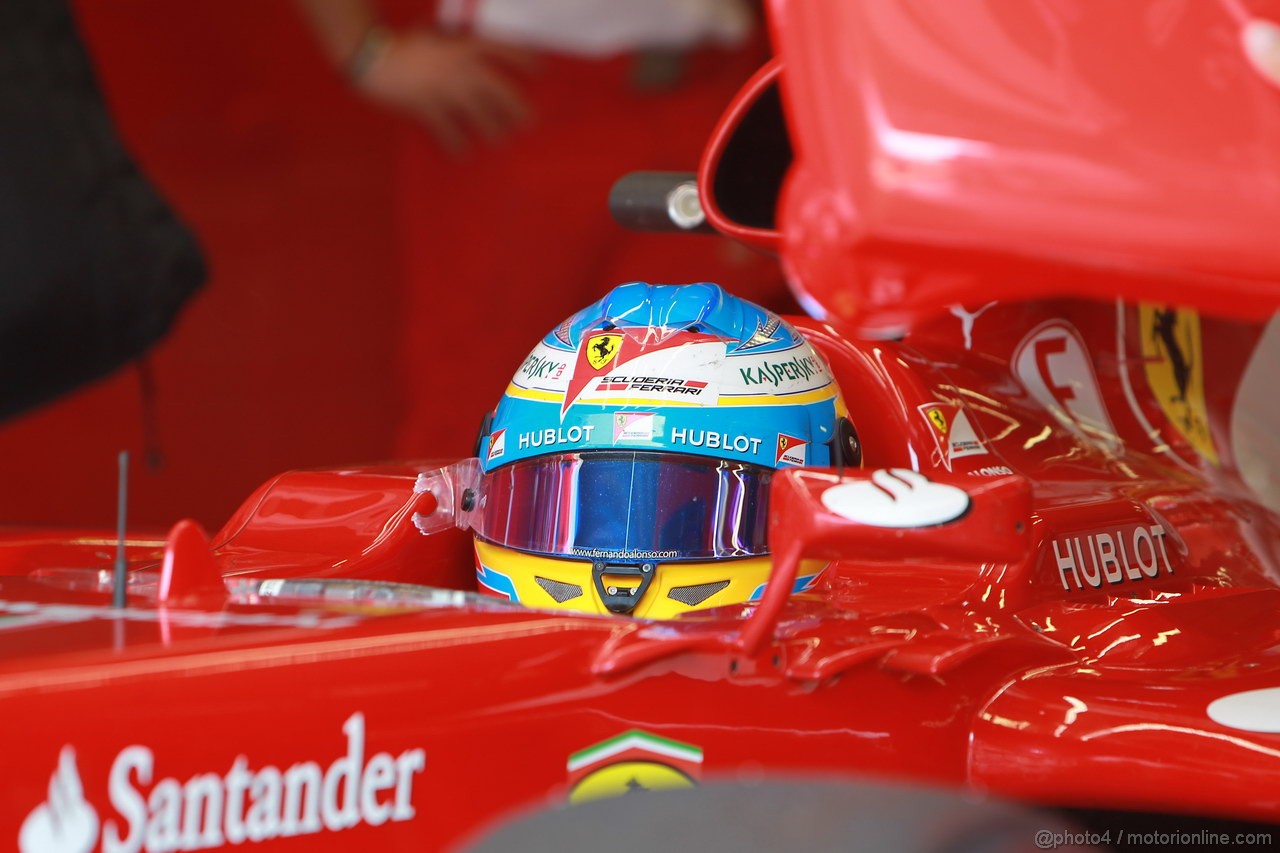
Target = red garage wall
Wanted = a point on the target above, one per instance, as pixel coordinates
(302, 350)
(282, 361)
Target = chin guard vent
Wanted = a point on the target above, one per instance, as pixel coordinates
(619, 598)
(561, 592)
(692, 596)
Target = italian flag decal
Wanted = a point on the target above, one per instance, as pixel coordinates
(629, 762)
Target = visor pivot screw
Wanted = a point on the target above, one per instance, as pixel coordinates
(468, 500)
(613, 590)
(647, 567)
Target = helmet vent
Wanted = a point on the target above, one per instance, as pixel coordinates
(691, 596)
(561, 592)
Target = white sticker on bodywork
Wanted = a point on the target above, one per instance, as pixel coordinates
(243, 805)
(1055, 368)
(1250, 711)
(897, 497)
(65, 822)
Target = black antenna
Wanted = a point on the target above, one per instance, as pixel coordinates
(122, 497)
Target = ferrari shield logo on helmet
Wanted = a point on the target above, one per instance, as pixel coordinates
(791, 450)
(602, 353)
(596, 353)
(601, 349)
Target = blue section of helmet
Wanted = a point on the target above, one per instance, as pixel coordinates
(743, 325)
(744, 433)
(747, 433)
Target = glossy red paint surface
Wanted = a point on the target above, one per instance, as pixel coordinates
(1053, 579)
(988, 149)
(961, 653)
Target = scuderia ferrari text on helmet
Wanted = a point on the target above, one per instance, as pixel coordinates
(626, 469)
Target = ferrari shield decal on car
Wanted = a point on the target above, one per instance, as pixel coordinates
(897, 498)
(630, 762)
(244, 804)
(953, 432)
(937, 417)
(1173, 360)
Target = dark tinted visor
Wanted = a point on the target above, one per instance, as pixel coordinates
(627, 506)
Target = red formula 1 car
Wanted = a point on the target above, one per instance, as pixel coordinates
(1053, 578)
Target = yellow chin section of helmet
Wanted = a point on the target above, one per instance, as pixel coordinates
(676, 588)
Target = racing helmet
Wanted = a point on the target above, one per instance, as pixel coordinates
(626, 468)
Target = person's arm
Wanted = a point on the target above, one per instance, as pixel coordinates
(341, 26)
(451, 84)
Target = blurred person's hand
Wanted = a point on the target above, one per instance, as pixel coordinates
(457, 86)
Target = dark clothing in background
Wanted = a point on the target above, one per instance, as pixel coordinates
(94, 266)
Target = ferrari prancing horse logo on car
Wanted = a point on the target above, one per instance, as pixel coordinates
(630, 762)
(938, 419)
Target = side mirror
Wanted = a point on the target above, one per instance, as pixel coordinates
(885, 515)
